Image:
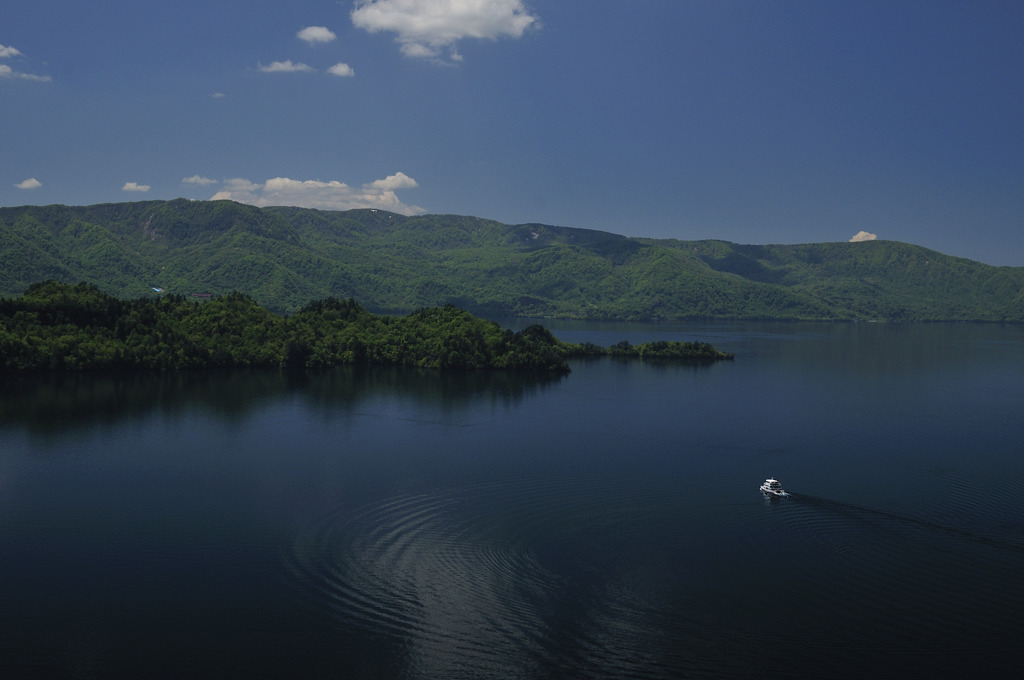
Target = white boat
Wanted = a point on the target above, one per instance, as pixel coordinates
(772, 487)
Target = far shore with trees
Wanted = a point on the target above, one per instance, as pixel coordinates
(64, 327)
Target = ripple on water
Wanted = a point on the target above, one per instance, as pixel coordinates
(646, 577)
(481, 580)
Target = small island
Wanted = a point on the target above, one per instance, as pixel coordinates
(65, 327)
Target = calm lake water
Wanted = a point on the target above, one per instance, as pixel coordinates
(607, 524)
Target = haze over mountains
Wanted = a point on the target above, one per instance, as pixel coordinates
(286, 257)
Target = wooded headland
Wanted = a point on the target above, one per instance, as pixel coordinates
(56, 326)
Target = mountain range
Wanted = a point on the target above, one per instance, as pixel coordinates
(285, 257)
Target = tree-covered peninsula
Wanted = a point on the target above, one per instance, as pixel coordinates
(57, 326)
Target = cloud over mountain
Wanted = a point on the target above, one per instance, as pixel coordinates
(198, 180)
(425, 27)
(332, 195)
(863, 236)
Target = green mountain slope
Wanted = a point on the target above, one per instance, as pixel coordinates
(285, 257)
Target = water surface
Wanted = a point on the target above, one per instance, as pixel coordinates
(406, 524)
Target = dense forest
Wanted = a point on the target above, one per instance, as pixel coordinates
(283, 257)
(58, 326)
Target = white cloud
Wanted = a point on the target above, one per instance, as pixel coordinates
(238, 189)
(8, 72)
(285, 67)
(135, 186)
(424, 27)
(31, 182)
(6, 51)
(198, 180)
(863, 236)
(341, 69)
(316, 34)
(417, 50)
(333, 195)
(218, 95)
(399, 180)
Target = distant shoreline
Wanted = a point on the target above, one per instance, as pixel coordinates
(62, 327)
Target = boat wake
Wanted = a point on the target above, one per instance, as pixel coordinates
(856, 562)
(868, 514)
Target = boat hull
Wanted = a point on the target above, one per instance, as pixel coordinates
(772, 487)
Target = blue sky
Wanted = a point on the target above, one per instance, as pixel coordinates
(750, 121)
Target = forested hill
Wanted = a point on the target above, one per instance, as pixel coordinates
(283, 258)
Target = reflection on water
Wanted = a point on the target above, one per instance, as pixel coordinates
(51, 404)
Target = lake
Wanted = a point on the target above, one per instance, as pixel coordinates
(389, 523)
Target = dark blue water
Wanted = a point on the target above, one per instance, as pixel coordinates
(407, 524)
